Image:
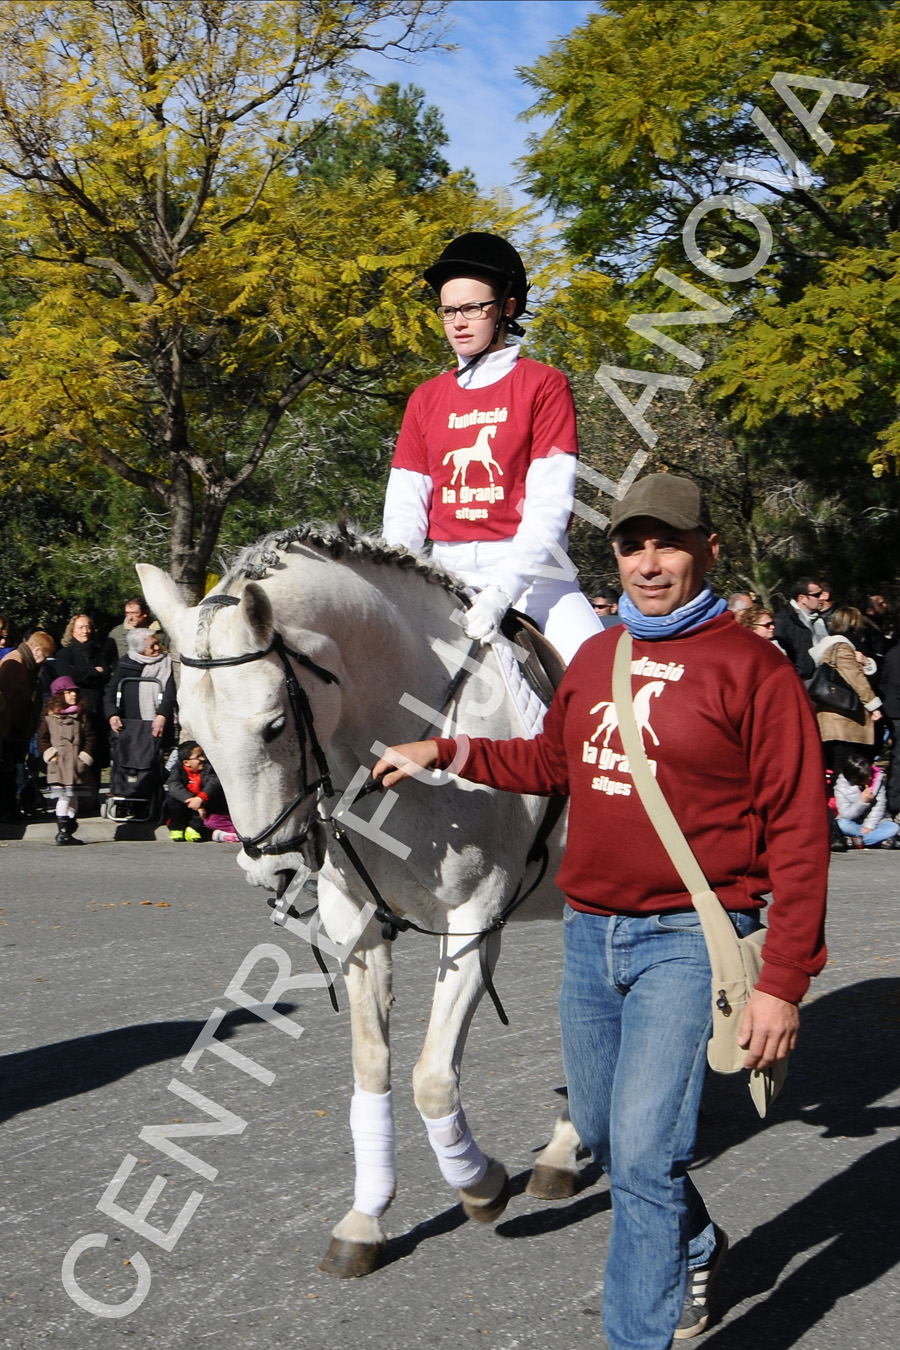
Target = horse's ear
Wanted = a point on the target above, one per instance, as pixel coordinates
(258, 613)
(162, 595)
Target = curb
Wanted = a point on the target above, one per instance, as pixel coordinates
(93, 830)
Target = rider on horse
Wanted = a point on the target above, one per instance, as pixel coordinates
(504, 535)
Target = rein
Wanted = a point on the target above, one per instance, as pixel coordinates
(391, 922)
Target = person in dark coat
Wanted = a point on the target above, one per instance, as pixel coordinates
(82, 658)
(890, 697)
(21, 700)
(195, 805)
(147, 662)
(798, 626)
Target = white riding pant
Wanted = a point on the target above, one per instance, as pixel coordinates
(555, 603)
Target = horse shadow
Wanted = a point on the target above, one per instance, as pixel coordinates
(50, 1073)
(533, 1224)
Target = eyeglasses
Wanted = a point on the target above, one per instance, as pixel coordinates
(815, 595)
(474, 310)
(770, 624)
(599, 607)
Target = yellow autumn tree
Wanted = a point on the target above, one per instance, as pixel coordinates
(177, 275)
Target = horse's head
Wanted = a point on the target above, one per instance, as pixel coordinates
(263, 704)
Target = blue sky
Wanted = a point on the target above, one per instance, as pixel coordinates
(476, 87)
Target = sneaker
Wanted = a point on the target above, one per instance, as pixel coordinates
(192, 836)
(225, 837)
(177, 836)
(695, 1314)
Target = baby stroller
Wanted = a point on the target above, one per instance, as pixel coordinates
(136, 759)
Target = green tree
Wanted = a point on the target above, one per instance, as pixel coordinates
(398, 132)
(650, 105)
(176, 282)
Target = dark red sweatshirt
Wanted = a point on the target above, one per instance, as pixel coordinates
(734, 738)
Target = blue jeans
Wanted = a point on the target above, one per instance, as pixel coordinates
(635, 1010)
(885, 829)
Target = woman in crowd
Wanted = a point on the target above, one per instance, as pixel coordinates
(81, 658)
(147, 663)
(757, 619)
(845, 733)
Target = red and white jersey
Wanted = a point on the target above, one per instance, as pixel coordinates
(476, 446)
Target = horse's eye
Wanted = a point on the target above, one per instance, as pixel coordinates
(274, 728)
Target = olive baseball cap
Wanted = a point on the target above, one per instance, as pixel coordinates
(666, 497)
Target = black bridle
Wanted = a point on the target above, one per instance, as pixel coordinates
(304, 725)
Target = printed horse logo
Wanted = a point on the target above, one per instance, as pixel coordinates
(610, 718)
(479, 453)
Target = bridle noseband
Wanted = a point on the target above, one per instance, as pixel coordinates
(304, 725)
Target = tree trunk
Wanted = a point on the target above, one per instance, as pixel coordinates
(192, 548)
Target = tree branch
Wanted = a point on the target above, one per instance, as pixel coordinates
(293, 391)
(146, 294)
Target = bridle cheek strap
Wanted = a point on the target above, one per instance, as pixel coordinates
(304, 725)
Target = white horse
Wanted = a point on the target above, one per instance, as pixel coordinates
(477, 453)
(368, 634)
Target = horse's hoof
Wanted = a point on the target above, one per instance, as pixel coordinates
(552, 1183)
(488, 1211)
(348, 1260)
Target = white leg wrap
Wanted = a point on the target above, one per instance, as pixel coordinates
(461, 1161)
(372, 1127)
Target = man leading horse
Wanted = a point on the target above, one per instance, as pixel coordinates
(738, 758)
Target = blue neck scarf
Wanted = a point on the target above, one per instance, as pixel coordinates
(652, 627)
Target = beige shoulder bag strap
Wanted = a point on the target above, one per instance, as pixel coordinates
(721, 939)
(735, 962)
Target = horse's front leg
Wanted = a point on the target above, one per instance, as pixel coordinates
(358, 1240)
(482, 1182)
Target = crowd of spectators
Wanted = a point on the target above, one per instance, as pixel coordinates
(65, 712)
(63, 708)
(859, 644)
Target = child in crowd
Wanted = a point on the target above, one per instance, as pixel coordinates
(860, 796)
(65, 738)
(195, 806)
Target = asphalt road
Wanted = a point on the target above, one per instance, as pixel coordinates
(116, 954)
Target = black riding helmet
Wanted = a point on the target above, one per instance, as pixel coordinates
(479, 254)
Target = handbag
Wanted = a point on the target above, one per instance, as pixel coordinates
(832, 691)
(736, 962)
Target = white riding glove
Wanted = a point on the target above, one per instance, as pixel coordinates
(488, 608)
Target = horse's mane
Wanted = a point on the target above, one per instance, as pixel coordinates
(257, 560)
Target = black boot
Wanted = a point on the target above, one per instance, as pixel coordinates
(66, 832)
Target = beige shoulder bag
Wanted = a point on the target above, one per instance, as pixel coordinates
(736, 962)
